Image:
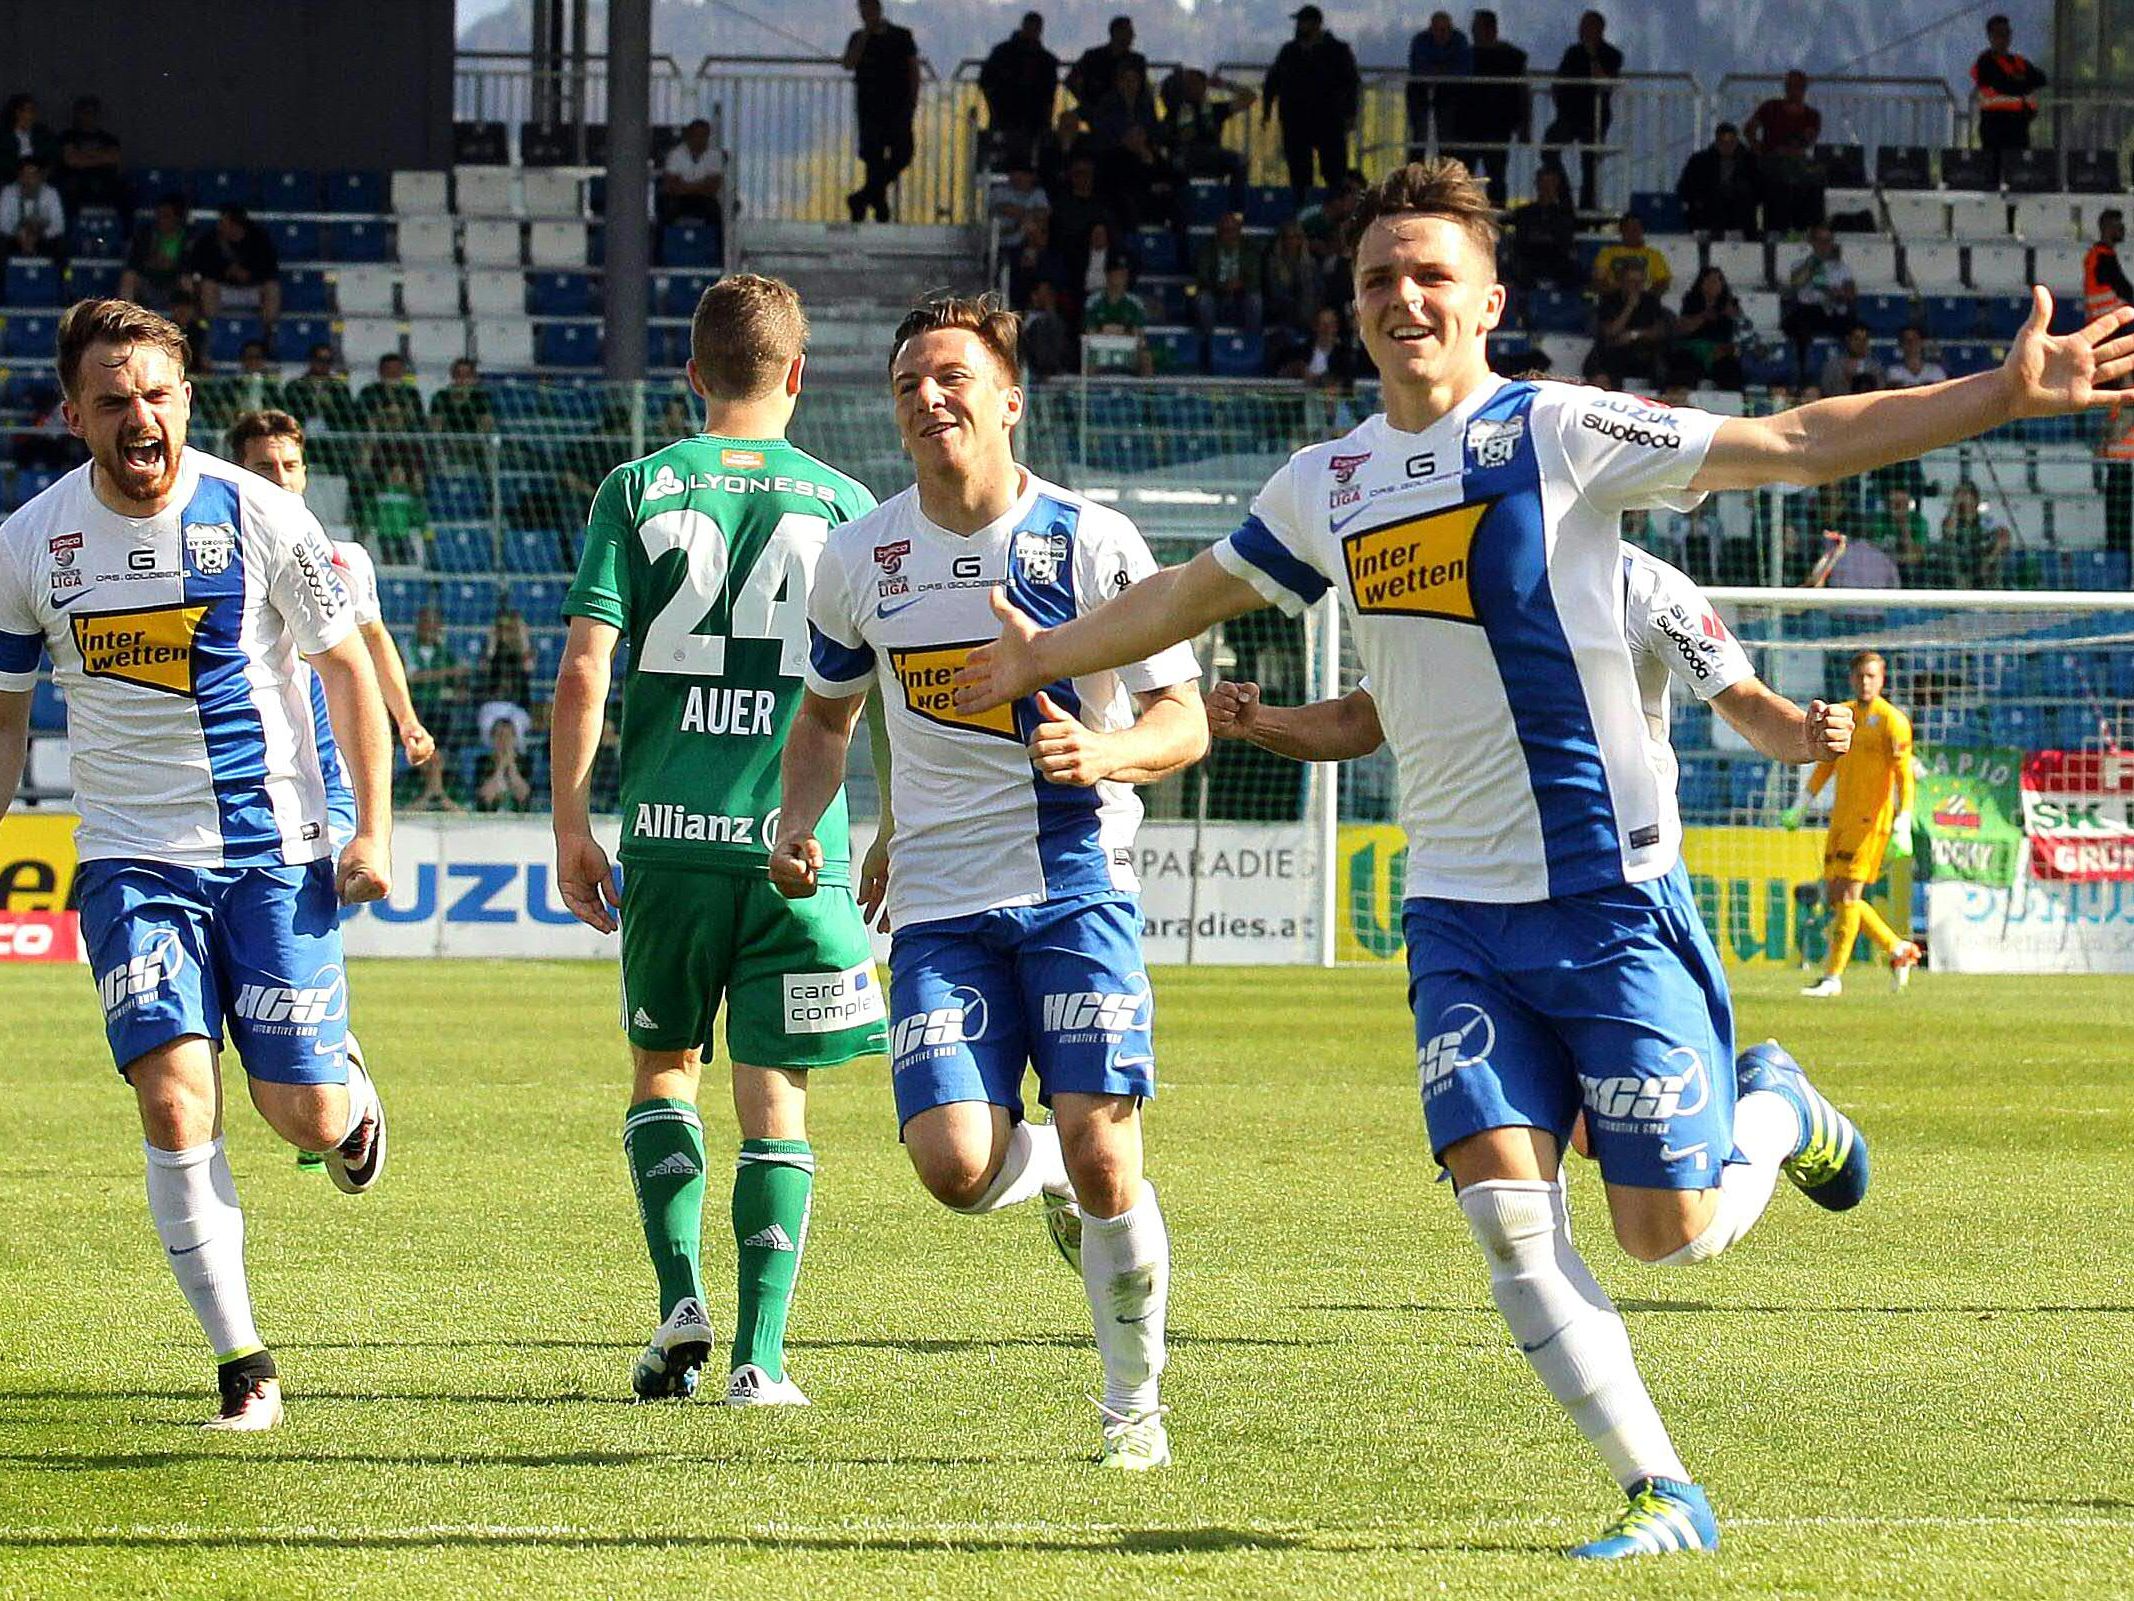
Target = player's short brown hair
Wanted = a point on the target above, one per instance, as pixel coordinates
(984, 316)
(1860, 658)
(746, 332)
(1438, 187)
(112, 322)
(262, 425)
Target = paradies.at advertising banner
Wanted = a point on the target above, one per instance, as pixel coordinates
(36, 887)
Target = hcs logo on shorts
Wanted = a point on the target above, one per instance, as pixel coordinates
(825, 1003)
(1466, 1035)
(1655, 1098)
(135, 980)
(961, 1020)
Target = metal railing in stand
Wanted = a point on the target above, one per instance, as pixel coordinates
(1864, 111)
(503, 86)
(2084, 120)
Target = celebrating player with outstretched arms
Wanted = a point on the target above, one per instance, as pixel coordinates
(1011, 892)
(1556, 957)
(180, 599)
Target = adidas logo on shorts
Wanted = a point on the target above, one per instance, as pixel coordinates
(642, 1019)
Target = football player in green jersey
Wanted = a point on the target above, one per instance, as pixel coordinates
(700, 556)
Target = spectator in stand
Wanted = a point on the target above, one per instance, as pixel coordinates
(1193, 127)
(319, 395)
(89, 162)
(1322, 225)
(1019, 80)
(390, 403)
(32, 220)
(1330, 359)
(1089, 80)
(1975, 540)
(1495, 111)
(1291, 283)
(1035, 261)
(1630, 246)
(1129, 103)
(1058, 150)
(1047, 341)
(1437, 52)
(185, 312)
(238, 269)
(463, 406)
(1631, 329)
(1913, 367)
(1147, 190)
(1013, 200)
(1544, 236)
(1079, 210)
(1900, 528)
(2104, 281)
(1821, 293)
(1851, 369)
(1782, 134)
(1585, 110)
(675, 421)
(157, 259)
(1852, 563)
(1228, 275)
(1721, 188)
(1707, 344)
(1103, 245)
(502, 688)
(884, 62)
(23, 137)
(437, 681)
(500, 781)
(1315, 87)
(1115, 309)
(427, 790)
(2007, 86)
(691, 179)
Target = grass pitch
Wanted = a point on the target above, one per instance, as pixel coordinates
(1929, 1397)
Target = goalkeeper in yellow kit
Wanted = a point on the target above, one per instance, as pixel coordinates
(1870, 814)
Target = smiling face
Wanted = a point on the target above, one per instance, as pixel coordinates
(1426, 298)
(956, 406)
(130, 407)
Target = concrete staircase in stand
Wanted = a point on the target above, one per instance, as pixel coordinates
(857, 280)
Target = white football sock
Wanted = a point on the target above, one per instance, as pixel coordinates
(1126, 1269)
(1766, 1132)
(362, 1095)
(1565, 1325)
(1032, 1163)
(193, 1198)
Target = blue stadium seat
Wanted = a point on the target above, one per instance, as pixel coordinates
(32, 389)
(596, 243)
(2092, 569)
(30, 334)
(468, 602)
(34, 481)
(2003, 316)
(226, 336)
(567, 344)
(294, 337)
(688, 244)
(295, 241)
(576, 402)
(548, 656)
(288, 189)
(1174, 349)
(1157, 250)
(401, 598)
(1556, 311)
(667, 344)
(1745, 784)
(150, 184)
(675, 294)
(359, 241)
(90, 280)
(1964, 358)
(1660, 210)
(516, 400)
(1767, 366)
(32, 283)
(1885, 315)
(354, 193)
(1950, 316)
(570, 294)
(1168, 299)
(48, 709)
(1702, 792)
(96, 232)
(2012, 723)
(459, 497)
(533, 551)
(461, 547)
(1268, 205)
(304, 289)
(1237, 355)
(1206, 201)
(541, 599)
(215, 187)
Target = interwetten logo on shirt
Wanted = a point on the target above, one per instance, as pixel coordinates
(928, 674)
(1417, 567)
(152, 648)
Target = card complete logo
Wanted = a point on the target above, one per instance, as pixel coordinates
(928, 674)
(1418, 567)
(151, 648)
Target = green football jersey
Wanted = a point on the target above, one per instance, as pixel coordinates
(702, 554)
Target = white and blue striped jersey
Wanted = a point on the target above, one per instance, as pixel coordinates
(900, 601)
(1479, 565)
(178, 641)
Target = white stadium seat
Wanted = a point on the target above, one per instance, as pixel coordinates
(2046, 219)
(1920, 214)
(1978, 217)
(1742, 260)
(492, 242)
(434, 343)
(327, 496)
(500, 342)
(1719, 402)
(426, 241)
(1761, 307)
(364, 340)
(1567, 354)
(1873, 260)
(556, 244)
(430, 292)
(496, 293)
(552, 194)
(1934, 268)
(1836, 201)
(421, 194)
(1680, 253)
(485, 191)
(2059, 268)
(50, 764)
(364, 291)
(2002, 269)
(2066, 475)
(2094, 206)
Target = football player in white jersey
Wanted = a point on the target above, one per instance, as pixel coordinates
(180, 600)
(1011, 890)
(1555, 957)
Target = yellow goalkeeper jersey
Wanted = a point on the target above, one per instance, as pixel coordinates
(1874, 777)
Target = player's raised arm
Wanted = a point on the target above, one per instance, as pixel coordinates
(1323, 731)
(1164, 609)
(1778, 728)
(1169, 734)
(2045, 375)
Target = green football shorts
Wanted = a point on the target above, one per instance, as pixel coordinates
(797, 977)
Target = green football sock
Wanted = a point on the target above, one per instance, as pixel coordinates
(664, 1144)
(774, 1181)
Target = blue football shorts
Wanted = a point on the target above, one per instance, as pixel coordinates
(197, 950)
(1613, 1001)
(1061, 987)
